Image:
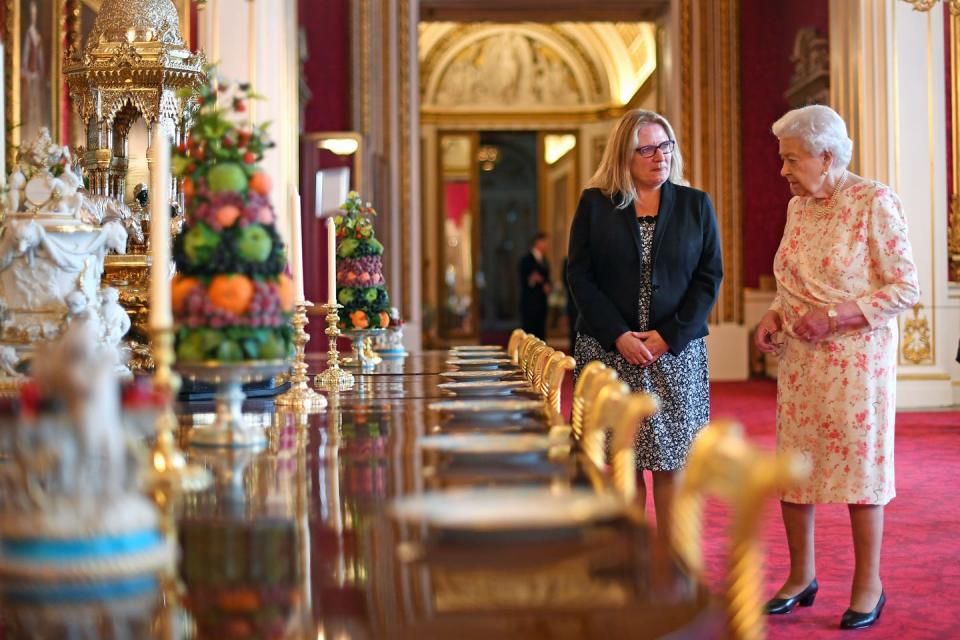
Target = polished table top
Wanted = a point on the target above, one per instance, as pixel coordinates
(295, 541)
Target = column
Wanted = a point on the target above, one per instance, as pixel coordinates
(887, 81)
(386, 103)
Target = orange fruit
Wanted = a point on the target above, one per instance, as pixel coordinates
(384, 318)
(189, 190)
(260, 182)
(359, 319)
(227, 215)
(285, 291)
(179, 288)
(232, 293)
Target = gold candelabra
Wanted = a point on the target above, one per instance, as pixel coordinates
(333, 378)
(168, 465)
(300, 397)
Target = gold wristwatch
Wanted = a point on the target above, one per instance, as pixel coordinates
(832, 318)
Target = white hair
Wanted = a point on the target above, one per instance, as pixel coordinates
(820, 128)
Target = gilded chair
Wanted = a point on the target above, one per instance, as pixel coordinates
(722, 463)
(619, 412)
(531, 344)
(556, 367)
(513, 345)
(541, 355)
(593, 376)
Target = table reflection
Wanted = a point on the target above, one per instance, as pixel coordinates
(295, 541)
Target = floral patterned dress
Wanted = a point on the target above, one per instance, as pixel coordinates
(835, 399)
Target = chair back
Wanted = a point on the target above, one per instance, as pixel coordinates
(592, 377)
(723, 464)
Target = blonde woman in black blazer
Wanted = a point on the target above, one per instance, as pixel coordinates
(645, 268)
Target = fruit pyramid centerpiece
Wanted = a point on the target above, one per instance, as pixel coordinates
(360, 283)
(231, 297)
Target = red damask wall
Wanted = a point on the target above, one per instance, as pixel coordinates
(326, 25)
(767, 30)
(327, 69)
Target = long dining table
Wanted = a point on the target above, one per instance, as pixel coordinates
(300, 539)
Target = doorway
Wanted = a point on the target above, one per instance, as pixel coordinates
(491, 210)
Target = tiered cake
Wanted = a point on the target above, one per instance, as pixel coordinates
(361, 286)
(232, 299)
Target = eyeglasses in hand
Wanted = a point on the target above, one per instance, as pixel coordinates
(649, 150)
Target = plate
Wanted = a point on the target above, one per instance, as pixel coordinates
(469, 364)
(473, 376)
(487, 407)
(481, 348)
(484, 387)
(498, 509)
(485, 443)
(474, 355)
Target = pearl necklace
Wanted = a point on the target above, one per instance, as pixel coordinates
(823, 211)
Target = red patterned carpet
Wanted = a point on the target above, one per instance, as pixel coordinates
(921, 550)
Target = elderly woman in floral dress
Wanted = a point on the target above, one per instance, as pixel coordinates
(844, 271)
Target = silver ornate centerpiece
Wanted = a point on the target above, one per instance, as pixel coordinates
(70, 509)
(52, 248)
(132, 66)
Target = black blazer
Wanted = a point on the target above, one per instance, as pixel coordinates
(604, 266)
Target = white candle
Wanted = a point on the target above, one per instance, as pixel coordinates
(296, 243)
(160, 313)
(331, 261)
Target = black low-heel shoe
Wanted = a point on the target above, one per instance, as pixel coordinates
(779, 606)
(855, 620)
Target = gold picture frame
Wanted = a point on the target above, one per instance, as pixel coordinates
(33, 69)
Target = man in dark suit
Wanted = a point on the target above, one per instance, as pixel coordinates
(535, 287)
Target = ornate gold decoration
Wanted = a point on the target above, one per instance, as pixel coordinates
(333, 378)
(953, 229)
(810, 83)
(926, 5)
(723, 464)
(168, 466)
(301, 398)
(134, 64)
(953, 235)
(916, 337)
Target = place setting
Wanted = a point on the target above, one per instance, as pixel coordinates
(485, 387)
(486, 363)
(488, 409)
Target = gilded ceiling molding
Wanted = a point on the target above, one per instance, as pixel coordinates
(495, 62)
(607, 63)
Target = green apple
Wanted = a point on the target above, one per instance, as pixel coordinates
(226, 176)
(229, 351)
(273, 348)
(370, 294)
(200, 243)
(254, 243)
(345, 296)
(347, 247)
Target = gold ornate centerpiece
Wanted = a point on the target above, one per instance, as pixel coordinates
(133, 65)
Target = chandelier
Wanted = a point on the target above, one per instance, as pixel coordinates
(926, 5)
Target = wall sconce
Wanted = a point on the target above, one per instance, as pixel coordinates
(488, 156)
